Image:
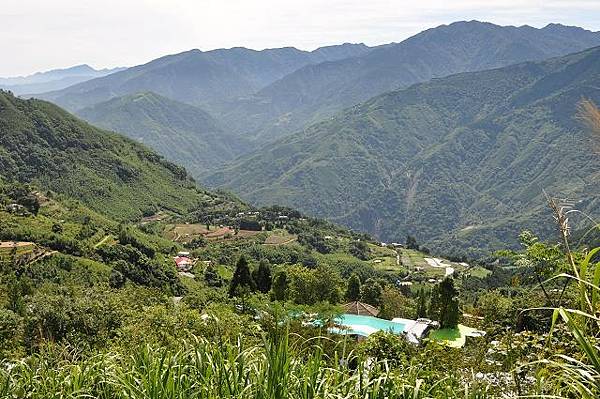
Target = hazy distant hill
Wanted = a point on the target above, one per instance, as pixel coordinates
(42, 144)
(317, 91)
(201, 78)
(459, 161)
(184, 134)
(55, 79)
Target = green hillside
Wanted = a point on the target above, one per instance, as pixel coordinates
(460, 161)
(184, 134)
(318, 91)
(42, 144)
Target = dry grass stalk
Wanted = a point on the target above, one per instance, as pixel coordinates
(589, 114)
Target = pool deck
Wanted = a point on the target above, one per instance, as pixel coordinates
(414, 329)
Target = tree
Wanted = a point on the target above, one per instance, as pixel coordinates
(371, 292)
(57, 228)
(411, 243)
(212, 276)
(497, 309)
(241, 283)
(262, 277)
(394, 304)
(280, 286)
(444, 304)
(309, 286)
(541, 260)
(422, 304)
(328, 284)
(353, 290)
(359, 249)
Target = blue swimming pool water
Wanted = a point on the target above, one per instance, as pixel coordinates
(366, 325)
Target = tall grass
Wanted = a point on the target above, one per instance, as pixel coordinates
(202, 369)
(578, 376)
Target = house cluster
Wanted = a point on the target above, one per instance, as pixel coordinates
(246, 214)
(391, 245)
(17, 209)
(184, 261)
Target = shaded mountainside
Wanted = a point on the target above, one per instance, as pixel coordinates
(200, 78)
(184, 134)
(55, 79)
(460, 161)
(42, 144)
(318, 91)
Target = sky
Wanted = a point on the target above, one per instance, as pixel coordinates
(38, 35)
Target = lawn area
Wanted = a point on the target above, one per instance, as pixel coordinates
(412, 259)
(280, 237)
(384, 259)
(7, 248)
(376, 250)
(186, 232)
(453, 337)
(387, 265)
(479, 272)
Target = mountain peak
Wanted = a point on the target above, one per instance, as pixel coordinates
(557, 27)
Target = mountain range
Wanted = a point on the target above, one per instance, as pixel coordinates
(201, 78)
(259, 96)
(315, 92)
(459, 161)
(55, 79)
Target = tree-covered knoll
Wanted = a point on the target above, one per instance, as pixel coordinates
(42, 144)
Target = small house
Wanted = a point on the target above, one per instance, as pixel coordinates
(184, 263)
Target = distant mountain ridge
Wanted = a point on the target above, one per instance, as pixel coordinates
(459, 161)
(201, 78)
(318, 91)
(55, 79)
(260, 96)
(184, 134)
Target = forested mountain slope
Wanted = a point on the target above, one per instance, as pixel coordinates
(200, 78)
(42, 144)
(459, 161)
(184, 134)
(318, 91)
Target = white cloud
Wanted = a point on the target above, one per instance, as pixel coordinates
(42, 34)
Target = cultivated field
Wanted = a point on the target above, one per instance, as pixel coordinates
(280, 237)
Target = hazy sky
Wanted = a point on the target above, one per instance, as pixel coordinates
(44, 34)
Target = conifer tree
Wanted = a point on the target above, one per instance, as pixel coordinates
(280, 286)
(444, 304)
(422, 304)
(353, 290)
(262, 277)
(241, 283)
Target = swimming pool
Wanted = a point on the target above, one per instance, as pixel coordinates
(365, 325)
